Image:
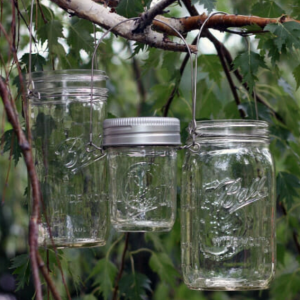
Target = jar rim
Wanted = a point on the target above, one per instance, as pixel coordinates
(232, 122)
(78, 74)
(232, 128)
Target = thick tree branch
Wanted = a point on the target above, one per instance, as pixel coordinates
(219, 22)
(26, 150)
(139, 30)
(148, 16)
(98, 14)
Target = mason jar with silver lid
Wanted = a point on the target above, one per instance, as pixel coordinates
(142, 162)
(228, 207)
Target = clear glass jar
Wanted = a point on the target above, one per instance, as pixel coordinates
(72, 174)
(142, 161)
(228, 207)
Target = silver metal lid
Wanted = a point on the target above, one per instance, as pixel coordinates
(141, 131)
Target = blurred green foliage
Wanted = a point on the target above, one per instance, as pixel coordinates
(270, 64)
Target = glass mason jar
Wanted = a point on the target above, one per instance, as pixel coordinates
(72, 174)
(142, 162)
(228, 207)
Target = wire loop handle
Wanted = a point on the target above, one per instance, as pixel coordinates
(192, 128)
(193, 125)
(91, 144)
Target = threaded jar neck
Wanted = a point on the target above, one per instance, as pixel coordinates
(71, 85)
(232, 130)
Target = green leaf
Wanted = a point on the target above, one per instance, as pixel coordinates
(163, 266)
(89, 297)
(79, 37)
(249, 63)
(21, 264)
(286, 287)
(137, 47)
(264, 113)
(38, 18)
(153, 60)
(155, 239)
(104, 273)
(286, 34)
(208, 4)
(10, 141)
(44, 126)
(287, 188)
(170, 63)
(50, 32)
(133, 286)
(211, 65)
(267, 9)
(296, 74)
(37, 61)
(290, 112)
(286, 87)
(280, 253)
(296, 9)
(19, 261)
(266, 44)
(231, 111)
(132, 8)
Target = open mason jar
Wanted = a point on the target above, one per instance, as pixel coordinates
(228, 207)
(142, 160)
(72, 174)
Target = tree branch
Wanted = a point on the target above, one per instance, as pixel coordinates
(148, 16)
(219, 22)
(45, 273)
(115, 294)
(98, 14)
(26, 150)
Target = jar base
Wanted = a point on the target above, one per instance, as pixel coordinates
(143, 226)
(61, 243)
(228, 285)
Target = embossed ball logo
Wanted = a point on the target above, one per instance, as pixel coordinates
(74, 155)
(223, 228)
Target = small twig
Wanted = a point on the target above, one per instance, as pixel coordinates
(116, 288)
(295, 237)
(24, 20)
(175, 88)
(9, 167)
(193, 11)
(13, 25)
(148, 16)
(229, 79)
(42, 13)
(47, 277)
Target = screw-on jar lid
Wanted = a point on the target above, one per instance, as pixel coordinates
(141, 131)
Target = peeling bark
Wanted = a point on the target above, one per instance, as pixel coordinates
(100, 15)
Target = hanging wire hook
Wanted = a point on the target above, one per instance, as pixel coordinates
(91, 144)
(192, 129)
